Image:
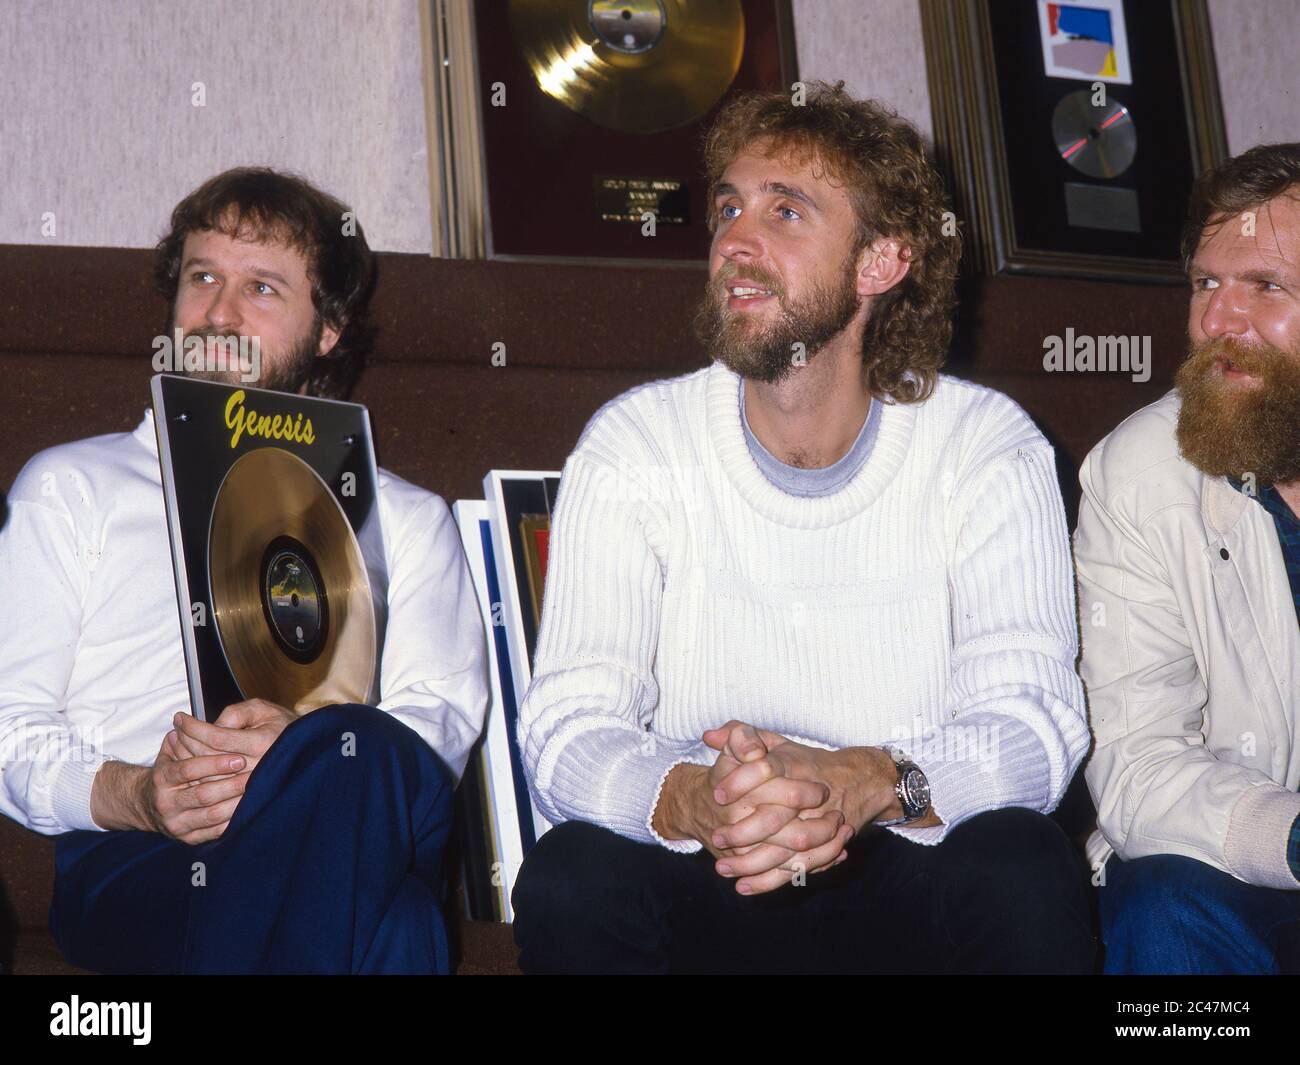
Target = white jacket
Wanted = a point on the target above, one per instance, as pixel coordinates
(1190, 656)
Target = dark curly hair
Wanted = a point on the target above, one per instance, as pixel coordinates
(896, 193)
(258, 203)
(1239, 184)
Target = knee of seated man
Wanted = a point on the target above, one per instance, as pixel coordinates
(1017, 851)
(563, 877)
(1164, 889)
(344, 724)
(362, 733)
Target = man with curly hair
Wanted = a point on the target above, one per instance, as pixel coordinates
(809, 610)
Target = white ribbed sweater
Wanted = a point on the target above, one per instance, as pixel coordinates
(929, 603)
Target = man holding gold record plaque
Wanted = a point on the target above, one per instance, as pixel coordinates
(254, 836)
(804, 687)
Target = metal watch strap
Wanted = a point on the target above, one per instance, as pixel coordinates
(904, 765)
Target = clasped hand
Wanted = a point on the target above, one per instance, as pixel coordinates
(778, 808)
(202, 768)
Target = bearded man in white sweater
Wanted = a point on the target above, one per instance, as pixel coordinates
(804, 688)
(263, 841)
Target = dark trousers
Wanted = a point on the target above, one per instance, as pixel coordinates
(1168, 913)
(332, 863)
(1003, 893)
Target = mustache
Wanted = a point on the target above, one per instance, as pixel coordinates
(212, 336)
(1255, 359)
(204, 333)
(760, 278)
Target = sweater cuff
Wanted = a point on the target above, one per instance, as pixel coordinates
(1262, 846)
(968, 777)
(681, 846)
(72, 782)
(612, 777)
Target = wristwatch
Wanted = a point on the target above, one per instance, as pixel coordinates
(912, 789)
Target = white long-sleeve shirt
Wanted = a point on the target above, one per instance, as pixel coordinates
(91, 661)
(928, 604)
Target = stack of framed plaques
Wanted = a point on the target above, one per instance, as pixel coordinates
(505, 539)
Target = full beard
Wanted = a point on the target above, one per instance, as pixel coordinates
(1227, 429)
(766, 352)
(279, 372)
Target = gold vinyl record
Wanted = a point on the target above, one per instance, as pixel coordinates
(638, 66)
(290, 595)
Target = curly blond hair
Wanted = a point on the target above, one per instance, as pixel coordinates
(896, 193)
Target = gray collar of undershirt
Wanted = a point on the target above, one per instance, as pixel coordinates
(798, 481)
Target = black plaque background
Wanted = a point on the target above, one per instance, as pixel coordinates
(541, 157)
(1161, 172)
(201, 456)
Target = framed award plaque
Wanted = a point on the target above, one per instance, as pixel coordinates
(593, 114)
(1071, 132)
(501, 821)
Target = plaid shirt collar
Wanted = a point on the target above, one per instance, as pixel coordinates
(1288, 530)
(1288, 535)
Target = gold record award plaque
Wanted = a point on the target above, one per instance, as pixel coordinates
(637, 66)
(289, 589)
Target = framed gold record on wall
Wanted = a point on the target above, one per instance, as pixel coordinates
(1071, 132)
(592, 115)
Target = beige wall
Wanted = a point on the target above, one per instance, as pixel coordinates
(874, 45)
(98, 127)
(97, 124)
(1255, 44)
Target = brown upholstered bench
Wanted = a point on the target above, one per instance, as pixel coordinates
(75, 332)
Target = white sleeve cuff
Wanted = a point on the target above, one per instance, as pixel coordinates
(968, 779)
(681, 846)
(612, 777)
(73, 780)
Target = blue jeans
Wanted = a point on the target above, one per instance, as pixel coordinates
(1171, 914)
(332, 863)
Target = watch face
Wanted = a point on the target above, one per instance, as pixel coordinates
(917, 788)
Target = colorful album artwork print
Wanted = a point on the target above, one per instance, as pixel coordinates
(1085, 42)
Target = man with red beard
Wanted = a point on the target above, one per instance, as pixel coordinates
(1188, 554)
(804, 685)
